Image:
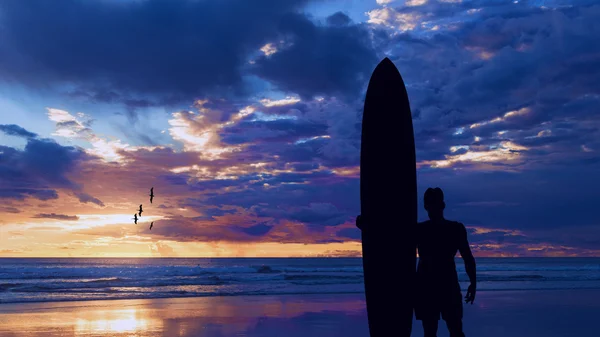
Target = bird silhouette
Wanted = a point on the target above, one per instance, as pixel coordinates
(151, 224)
(135, 218)
(140, 211)
(151, 194)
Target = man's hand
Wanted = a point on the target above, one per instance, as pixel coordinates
(470, 297)
(359, 223)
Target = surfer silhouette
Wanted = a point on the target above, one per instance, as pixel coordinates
(438, 291)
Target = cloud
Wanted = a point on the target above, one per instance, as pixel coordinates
(394, 19)
(138, 53)
(162, 249)
(85, 198)
(323, 214)
(69, 126)
(15, 130)
(56, 216)
(331, 59)
(22, 193)
(8, 209)
(504, 99)
(256, 230)
(14, 251)
(489, 74)
(41, 168)
(339, 253)
(350, 233)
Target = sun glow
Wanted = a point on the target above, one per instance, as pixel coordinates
(114, 321)
(87, 221)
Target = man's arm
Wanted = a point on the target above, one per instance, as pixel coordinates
(469, 260)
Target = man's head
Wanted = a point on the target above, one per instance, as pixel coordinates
(434, 202)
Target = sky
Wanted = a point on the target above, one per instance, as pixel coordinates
(245, 118)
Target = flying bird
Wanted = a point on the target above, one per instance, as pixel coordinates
(135, 218)
(151, 194)
(151, 224)
(140, 211)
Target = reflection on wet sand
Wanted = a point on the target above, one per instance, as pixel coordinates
(202, 317)
(494, 314)
(115, 322)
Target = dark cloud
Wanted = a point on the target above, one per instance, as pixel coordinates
(282, 130)
(22, 193)
(321, 214)
(85, 198)
(499, 57)
(325, 131)
(209, 213)
(15, 130)
(8, 209)
(256, 230)
(56, 216)
(350, 233)
(338, 19)
(189, 229)
(138, 53)
(332, 59)
(301, 189)
(39, 169)
(236, 229)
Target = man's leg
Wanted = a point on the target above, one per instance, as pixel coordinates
(430, 327)
(453, 314)
(455, 327)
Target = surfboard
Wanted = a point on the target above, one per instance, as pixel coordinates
(388, 201)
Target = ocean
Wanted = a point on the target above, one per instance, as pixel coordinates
(68, 279)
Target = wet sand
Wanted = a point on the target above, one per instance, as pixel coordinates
(501, 313)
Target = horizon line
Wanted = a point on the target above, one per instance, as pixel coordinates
(273, 257)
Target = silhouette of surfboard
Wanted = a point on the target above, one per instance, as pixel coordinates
(388, 200)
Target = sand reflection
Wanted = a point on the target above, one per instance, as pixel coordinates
(201, 317)
(114, 321)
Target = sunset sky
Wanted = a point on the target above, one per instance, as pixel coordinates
(245, 117)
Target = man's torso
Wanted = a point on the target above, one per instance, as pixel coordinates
(437, 244)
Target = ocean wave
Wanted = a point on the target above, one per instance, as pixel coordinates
(157, 278)
(112, 295)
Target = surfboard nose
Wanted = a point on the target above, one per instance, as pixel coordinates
(386, 62)
(386, 65)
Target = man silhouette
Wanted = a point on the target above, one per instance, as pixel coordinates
(438, 290)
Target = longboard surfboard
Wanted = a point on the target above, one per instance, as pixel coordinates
(388, 200)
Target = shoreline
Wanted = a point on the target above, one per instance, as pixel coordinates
(479, 291)
(514, 313)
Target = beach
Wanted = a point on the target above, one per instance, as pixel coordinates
(248, 297)
(547, 313)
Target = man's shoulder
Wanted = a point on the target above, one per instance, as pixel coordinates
(450, 222)
(456, 224)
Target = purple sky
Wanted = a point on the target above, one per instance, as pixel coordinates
(245, 115)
